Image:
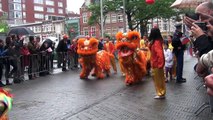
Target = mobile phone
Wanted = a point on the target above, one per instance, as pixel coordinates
(202, 25)
(193, 16)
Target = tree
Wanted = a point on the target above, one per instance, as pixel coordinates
(137, 12)
(3, 24)
(95, 17)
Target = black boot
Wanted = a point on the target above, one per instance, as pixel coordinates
(8, 82)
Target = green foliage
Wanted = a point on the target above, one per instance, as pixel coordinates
(3, 24)
(137, 11)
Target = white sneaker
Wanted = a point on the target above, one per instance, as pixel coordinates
(159, 97)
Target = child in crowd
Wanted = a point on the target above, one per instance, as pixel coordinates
(168, 61)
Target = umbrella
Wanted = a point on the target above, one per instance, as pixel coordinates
(20, 31)
(49, 42)
(186, 3)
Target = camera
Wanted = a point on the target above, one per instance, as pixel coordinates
(202, 25)
(193, 16)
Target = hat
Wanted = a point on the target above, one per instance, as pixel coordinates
(178, 25)
(65, 36)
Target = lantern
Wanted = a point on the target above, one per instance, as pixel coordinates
(150, 1)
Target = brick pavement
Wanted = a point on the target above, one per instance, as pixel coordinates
(95, 100)
(137, 103)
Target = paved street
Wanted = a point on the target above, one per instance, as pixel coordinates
(63, 96)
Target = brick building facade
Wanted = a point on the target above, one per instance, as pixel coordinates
(31, 11)
(113, 23)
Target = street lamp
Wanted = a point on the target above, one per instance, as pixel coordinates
(124, 16)
(102, 23)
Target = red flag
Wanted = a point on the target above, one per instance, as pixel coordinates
(184, 40)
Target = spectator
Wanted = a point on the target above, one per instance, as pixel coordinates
(179, 52)
(7, 61)
(174, 58)
(109, 47)
(17, 43)
(62, 52)
(25, 57)
(2, 59)
(74, 48)
(46, 51)
(203, 42)
(143, 42)
(34, 50)
(157, 62)
(168, 61)
(100, 44)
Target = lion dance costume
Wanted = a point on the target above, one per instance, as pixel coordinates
(92, 59)
(5, 103)
(133, 60)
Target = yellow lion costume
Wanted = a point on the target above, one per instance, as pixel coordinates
(133, 60)
(92, 59)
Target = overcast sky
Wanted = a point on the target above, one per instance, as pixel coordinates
(74, 5)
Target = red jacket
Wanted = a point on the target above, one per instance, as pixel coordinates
(157, 55)
(25, 58)
(111, 47)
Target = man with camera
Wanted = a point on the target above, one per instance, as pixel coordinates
(203, 32)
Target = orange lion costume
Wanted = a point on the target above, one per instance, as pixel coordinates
(133, 60)
(92, 59)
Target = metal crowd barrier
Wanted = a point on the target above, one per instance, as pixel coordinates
(32, 65)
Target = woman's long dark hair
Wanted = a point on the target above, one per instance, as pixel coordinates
(155, 35)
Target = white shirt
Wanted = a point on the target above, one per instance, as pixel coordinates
(168, 58)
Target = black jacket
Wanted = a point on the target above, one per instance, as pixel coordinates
(62, 46)
(176, 42)
(203, 44)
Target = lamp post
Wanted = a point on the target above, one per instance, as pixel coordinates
(102, 23)
(124, 16)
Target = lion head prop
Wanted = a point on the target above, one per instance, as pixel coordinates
(127, 43)
(133, 60)
(87, 46)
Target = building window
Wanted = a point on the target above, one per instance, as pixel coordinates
(108, 19)
(17, 14)
(50, 10)
(108, 31)
(38, 8)
(114, 30)
(18, 1)
(93, 31)
(60, 4)
(17, 6)
(38, 16)
(38, 1)
(60, 11)
(24, 14)
(165, 27)
(24, 7)
(0, 6)
(120, 18)
(85, 19)
(113, 18)
(49, 2)
(85, 31)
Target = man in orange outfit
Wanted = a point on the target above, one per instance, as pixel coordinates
(109, 47)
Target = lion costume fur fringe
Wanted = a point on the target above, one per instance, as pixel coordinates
(133, 60)
(92, 59)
